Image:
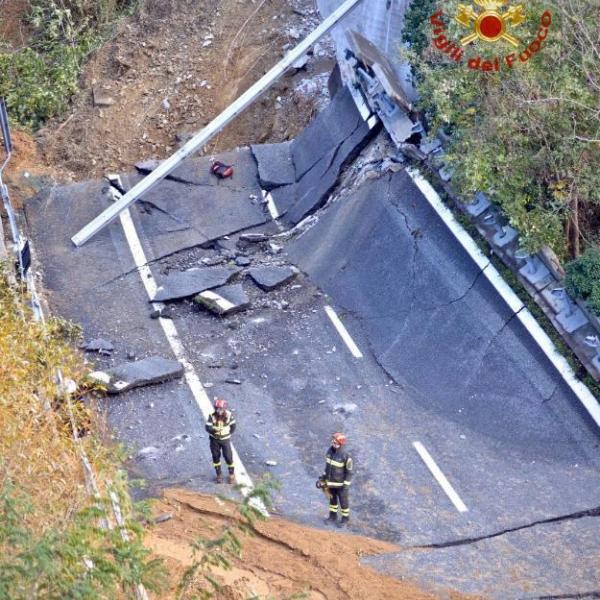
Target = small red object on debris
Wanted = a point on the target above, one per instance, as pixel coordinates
(221, 170)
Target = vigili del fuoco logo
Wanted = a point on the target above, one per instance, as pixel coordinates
(490, 24)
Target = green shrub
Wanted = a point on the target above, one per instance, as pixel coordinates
(38, 81)
(528, 135)
(76, 561)
(583, 278)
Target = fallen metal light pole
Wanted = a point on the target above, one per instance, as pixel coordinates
(203, 136)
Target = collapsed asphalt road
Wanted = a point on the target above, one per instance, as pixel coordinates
(429, 368)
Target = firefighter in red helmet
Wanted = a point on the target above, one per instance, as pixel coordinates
(220, 426)
(337, 478)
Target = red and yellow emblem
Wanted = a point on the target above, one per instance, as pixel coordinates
(490, 25)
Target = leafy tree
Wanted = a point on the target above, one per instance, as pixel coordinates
(79, 561)
(39, 80)
(583, 278)
(529, 136)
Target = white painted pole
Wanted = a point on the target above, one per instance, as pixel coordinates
(203, 136)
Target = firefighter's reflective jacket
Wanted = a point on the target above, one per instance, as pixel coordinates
(220, 428)
(338, 468)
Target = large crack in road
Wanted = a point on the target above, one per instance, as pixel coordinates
(592, 512)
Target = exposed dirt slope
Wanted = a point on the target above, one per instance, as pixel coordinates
(172, 68)
(282, 559)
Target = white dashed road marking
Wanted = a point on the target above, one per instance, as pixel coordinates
(343, 332)
(440, 477)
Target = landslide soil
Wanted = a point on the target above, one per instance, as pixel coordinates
(170, 69)
(279, 560)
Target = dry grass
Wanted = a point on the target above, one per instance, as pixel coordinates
(36, 446)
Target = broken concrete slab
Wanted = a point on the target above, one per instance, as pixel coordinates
(99, 345)
(313, 189)
(275, 165)
(196, 171)
(327, 131)
(176, 216)
(269, 277)
(184, 284)
(224, 300)
(137, 374)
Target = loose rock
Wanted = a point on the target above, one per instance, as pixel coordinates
(137, 374)
(224, 300)
(183, 284)
(269, 278)
(99, 345)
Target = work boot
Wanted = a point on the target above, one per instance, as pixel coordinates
(331, 519)
(344, 522)
(219, 478)
(231, 478)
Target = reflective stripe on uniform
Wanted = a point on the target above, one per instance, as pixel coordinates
(346, 483)
(216, 465)
(220, 439)
(345, 512)
(335, 463)
(334, 484)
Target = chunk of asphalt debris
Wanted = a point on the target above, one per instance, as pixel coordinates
(99, 345)
(233, 381)
(243, 261)
(347, 409)
(137, 374)
(270, 277)
(224, 300)
(227, 245)
(162, 518)
(183, 284)
(275, 165)
(271, 463)
(253, 238)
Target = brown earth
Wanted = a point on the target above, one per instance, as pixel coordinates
(280, 559)
(14, 31)
(171, 69)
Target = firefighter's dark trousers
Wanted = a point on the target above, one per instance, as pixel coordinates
(340, 496)
(224, 446)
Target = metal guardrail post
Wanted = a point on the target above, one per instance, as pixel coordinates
(202, 137)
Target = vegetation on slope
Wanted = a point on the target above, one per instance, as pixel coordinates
(39, 79)
(52, 544)
(529, 136)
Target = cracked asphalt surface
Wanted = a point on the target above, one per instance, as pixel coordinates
(445, 363)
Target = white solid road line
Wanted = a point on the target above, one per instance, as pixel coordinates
(440, 477)
(506, 292)
(343, 332)
(271, 205)
(202, 400)
(224, 304)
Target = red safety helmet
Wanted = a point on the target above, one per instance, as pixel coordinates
(220, 403)
(340, 438)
